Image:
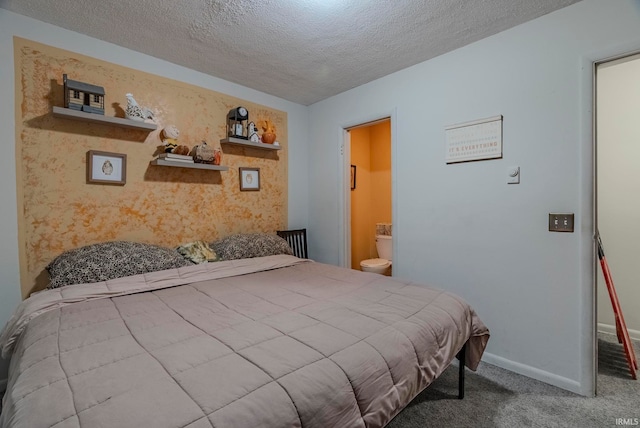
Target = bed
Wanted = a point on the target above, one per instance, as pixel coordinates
(269, 341)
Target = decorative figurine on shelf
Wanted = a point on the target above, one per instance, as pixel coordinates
(252, 130)
(170, 138)
(269, 132)
(135, 112)
(235, 125)
(217, 156)
(181, 150)
(203, 153)
(83, 96)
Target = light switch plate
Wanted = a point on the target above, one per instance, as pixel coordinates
(561, 222)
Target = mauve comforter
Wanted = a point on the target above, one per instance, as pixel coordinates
(267, 342)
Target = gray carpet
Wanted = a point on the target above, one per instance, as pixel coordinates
(495, 397)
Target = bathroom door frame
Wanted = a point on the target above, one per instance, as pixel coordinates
(344, 182)
(595, 142)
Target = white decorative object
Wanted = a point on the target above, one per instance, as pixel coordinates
(170, 135)
(476, 140)
(252, 130)
(135, 112)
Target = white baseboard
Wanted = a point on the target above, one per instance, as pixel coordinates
(3, 385)
(534, 373)
(611, 329)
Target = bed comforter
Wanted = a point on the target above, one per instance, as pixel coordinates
(268, 342)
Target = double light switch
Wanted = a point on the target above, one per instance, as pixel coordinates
(561, 222)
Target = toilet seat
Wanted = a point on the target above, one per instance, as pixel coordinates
(372, 263)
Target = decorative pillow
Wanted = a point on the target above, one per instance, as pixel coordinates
(246, 246)
(198, 252)
(109, 260)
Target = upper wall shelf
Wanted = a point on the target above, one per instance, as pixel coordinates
(68, 113)
(162, 162)
(241, 142)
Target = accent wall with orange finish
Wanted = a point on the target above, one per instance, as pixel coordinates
(167, 206)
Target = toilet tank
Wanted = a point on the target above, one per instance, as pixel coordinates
(383, 245)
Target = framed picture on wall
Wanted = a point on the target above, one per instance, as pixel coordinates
(353, 177)
(106, 168)
(249, 179)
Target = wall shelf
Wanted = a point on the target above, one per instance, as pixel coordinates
(162, 162)
(82, 116)
(247, 143)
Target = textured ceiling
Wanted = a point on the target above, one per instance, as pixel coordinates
(300, 50)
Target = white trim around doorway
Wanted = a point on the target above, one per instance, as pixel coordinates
(344, 206)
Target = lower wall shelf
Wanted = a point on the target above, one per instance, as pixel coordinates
(162, 162)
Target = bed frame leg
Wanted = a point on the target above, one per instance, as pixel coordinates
(461, 358)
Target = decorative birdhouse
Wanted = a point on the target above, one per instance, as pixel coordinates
(83, 96)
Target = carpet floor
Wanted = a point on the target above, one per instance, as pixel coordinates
(495, 397)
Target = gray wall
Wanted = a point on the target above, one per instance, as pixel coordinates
(16, 25)
(461, 227)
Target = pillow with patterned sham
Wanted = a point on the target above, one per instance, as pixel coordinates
(109, 260)
(249, 245)
(198, 252)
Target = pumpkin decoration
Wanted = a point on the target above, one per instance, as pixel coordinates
(269, 132)
(181, 150)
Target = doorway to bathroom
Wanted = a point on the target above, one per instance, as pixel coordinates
(370, 185)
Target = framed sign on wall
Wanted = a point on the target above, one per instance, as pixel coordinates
(477, 140)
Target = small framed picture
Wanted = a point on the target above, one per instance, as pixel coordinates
(353, 177)
(249, 179)
(106, 168)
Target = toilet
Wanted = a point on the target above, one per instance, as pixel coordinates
(381, 265)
